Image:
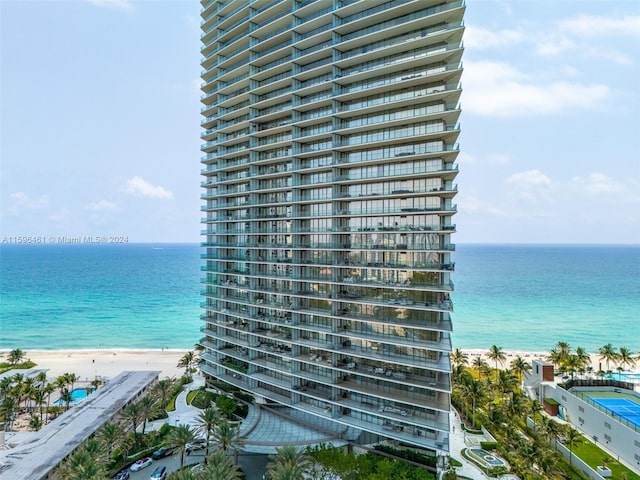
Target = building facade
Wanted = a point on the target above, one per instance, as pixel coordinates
(330, 131)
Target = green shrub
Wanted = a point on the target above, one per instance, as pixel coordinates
(203, 399)
(245, 396)
(6, 366)
(224, 386)
(226, 405)
(497, 471)
(407, 454)
(489, 445)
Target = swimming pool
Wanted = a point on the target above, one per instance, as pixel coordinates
(625, 377)
(625, 408)
(77, 395)
(485, 458)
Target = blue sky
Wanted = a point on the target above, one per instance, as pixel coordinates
(100, 121)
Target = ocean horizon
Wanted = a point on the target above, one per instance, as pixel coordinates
(147, 296)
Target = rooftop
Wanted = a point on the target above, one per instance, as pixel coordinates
(36, 457)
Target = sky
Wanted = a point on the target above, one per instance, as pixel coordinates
(100, 121)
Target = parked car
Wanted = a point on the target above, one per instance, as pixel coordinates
(197, 445)
(140, 464)
(161, 453)
(123, 475)
(160, 473)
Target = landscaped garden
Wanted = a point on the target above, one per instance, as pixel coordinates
(490, 397)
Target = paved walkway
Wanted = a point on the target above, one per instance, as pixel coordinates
(183, 414)
(265, 431)
(457, 443)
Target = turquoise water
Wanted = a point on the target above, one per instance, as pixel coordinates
(77, 394)
(147, 296)
(528, 297)
(100, 296)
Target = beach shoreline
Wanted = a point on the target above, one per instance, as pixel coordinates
(104, 364)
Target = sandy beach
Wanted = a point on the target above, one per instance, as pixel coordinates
(89, 364)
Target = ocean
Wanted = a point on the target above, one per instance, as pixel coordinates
(137, 296)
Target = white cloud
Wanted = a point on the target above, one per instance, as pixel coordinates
(20, 202)
(597, 183)
(139, 186)
(597, 26)
(470, 204)
(21, 199)
(124, 5)
(500, 90)
(609, 54)
(477, 38)
(102, 206)
(529, 178)
(552, 45)
(531, 186)
(567, 35)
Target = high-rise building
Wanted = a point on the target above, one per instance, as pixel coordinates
(330, 131)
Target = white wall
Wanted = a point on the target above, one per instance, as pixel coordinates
(598, 426)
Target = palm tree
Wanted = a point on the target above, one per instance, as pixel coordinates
(162, 389)
(60, 382)
(555, 356)
(132, 414)
(288, 463)
(187, 362)
(573, 364)
(35, 423)
(506, 382)
(96, 449)
(49, 388)
(81, 466)
(219, 467)
(38, 397)
(473, 391)
(66, 397)
(573, 436)
(28, 388)
(607, 353)
(208, 419)
(227, 437)
(111, 434)
(7, 411)
(583, 357)
(496, 354)
(148, 410)
(535, 407)
(625, 357)
(15, 356)
(179, 437)
(458, 357)
(71, 379)
(480, 365)
(520, 366)
(184, 475)
(548, 463)
(284, 471)
(553, 430)
(564, 348)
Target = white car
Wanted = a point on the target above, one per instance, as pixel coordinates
(140, 464)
